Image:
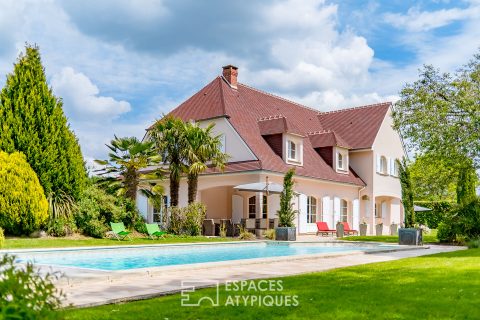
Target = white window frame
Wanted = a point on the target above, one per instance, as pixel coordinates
(312, 209)
(340, 161)
(383, 165)
(292, 147)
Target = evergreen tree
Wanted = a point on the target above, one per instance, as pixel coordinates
(407, 193)
(32, 121)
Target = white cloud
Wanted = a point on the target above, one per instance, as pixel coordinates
(418, 21)
(81, 97)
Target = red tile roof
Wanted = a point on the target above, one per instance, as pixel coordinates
(245, 106)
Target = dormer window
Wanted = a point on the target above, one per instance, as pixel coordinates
(340, 161)
(292, 151)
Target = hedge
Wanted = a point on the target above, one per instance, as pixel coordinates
(437, 215)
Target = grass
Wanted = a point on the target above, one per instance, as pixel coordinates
(30, 243)
(427, 238)
(441, 286)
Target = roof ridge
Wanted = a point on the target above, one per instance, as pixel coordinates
(273, 117)
(356, 108)
(222, 96)
(280, 98)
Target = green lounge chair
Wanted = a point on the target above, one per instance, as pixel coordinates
(154, 231)
(118, 229)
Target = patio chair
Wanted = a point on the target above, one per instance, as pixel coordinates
(322, 228)
(208, 227)
(119, 231)
(347, 230)
(153, 230)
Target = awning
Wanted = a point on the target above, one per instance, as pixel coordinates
(419, 208)
(260, 187)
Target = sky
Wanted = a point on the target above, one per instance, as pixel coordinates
(119, 65)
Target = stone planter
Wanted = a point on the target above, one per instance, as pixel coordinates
(410, 236)
(363, 230)
(379, 229)
(286, 234)
(340, 230)
(393, 229)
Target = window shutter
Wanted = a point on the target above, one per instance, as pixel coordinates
(389, 167)
(379, 160)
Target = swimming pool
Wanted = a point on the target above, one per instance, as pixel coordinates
(113, 259)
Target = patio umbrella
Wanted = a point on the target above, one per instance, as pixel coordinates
(419, 208)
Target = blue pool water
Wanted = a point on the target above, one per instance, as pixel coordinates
(157, 256)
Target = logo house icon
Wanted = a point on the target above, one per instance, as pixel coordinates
(190, 286)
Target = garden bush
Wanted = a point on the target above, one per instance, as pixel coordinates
(96, 209)
(23, 205)
(439, 212)
(25, 294)
(61, 227)
(2, 238)
(194, 215)
(188, 220)
(446, 232)
(462, 223)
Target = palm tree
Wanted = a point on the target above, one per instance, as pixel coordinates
(202, 148)
(168, 137)
(122, 170)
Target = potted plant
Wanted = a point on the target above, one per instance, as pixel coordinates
(363, 228)
(393, 229)
(340, 229)
(286, 231)
(379, 229)
(409, 235)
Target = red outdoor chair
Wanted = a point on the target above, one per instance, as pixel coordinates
(322, 228)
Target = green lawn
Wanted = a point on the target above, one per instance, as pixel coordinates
(442, 286)
(25, 243)
(427, 238)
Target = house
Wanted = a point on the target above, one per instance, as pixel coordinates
(344, 160)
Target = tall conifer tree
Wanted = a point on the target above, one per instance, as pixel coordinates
(32, 121)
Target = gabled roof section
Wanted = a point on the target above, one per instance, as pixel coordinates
(327, 138)
(253, 113)
(277, 124)
(357, 126)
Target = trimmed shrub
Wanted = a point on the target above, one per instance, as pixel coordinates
(25, 293)
(61, 227)
(439, 212)
(2, 238)
(96, 209)
(23, 205)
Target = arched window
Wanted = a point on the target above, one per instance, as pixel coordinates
(311, 209)
(344, 210)
(383, 165)
(252, 207)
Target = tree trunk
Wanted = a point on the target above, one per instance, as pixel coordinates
(174, 190)
(131, 184)
(192, 187)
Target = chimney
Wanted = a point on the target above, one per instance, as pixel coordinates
(230, 74)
